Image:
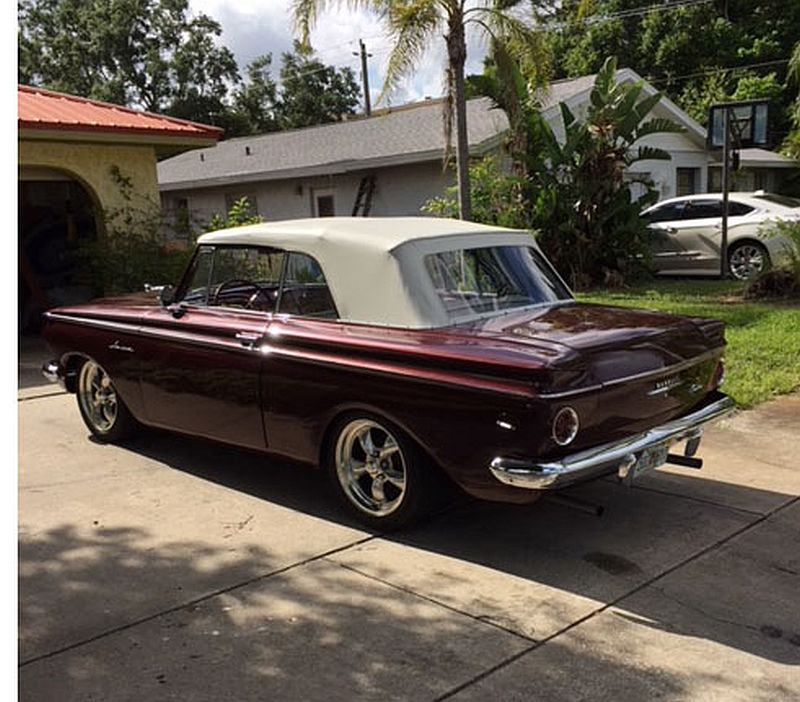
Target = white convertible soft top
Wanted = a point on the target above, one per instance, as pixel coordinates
(374, 265)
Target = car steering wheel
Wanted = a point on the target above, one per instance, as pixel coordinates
(258, 291)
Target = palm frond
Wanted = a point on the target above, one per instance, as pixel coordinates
(304, 17)
(644, 107)
(794, 64)
(305, 13)
(650, 153)
(528, 47)
(411, 24)
(658, 125)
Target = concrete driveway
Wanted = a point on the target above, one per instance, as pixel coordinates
(173, 569)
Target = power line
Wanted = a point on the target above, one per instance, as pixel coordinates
(711, 71)
(632, 12)
(352, 59)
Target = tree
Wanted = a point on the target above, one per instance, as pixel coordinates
(412, 24)
(255, 100)
(696, 53)
(791, 146)
(147, 54)
(575, 191)
(594, 224)
(313, 93)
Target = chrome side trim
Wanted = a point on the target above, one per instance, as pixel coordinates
(91, 322)
(606, 458)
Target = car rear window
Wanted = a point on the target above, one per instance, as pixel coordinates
(483, 280)
(780, 200)
(738, 209)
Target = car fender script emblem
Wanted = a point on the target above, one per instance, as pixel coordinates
(665, 385)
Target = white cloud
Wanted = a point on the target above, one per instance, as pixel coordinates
(254, 27)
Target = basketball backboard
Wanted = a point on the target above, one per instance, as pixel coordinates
(748, 124)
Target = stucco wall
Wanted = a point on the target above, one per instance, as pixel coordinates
(93, 165)
(399, 190)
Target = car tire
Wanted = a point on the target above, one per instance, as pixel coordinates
(101, 407)
(379, 473)
(747, 259)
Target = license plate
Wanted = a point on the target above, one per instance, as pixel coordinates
(649, 459)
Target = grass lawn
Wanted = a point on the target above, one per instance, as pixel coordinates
(763, 354)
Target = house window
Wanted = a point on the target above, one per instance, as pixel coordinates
(714, 179)
(744, 180)
(324, 205)
(688, 181)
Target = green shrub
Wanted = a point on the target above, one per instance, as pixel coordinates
(783, 279)
(130, 252)
(239, 215)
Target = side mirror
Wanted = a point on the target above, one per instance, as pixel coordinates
(167, 295)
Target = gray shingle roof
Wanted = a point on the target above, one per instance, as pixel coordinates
(408, 134)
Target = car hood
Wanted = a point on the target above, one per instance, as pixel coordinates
(129, 306)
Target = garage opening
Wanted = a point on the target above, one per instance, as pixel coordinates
(57, 215)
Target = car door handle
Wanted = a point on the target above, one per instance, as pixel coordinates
(249, 339)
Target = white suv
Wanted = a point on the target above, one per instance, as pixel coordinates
(688, 232)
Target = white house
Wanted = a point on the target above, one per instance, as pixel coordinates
(391, 163)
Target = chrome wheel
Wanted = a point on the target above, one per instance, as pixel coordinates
(370, 467)
(97, 398)
(747, 260)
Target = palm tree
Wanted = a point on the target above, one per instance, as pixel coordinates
(412, 24)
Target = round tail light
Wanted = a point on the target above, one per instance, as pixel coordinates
(565, 426)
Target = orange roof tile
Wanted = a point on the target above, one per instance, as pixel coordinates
(45, 109)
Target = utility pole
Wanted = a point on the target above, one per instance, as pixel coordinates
(364, 75)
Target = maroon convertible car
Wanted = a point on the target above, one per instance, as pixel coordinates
(386, 350)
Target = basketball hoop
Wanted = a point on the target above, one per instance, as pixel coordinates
(747, 123)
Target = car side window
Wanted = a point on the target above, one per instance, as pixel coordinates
(738, 209)
(665, 213)
(235, 276)
(246, 277)
(703, 209)
(305, 291)
(197, 277)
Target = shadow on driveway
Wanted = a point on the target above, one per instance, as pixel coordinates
(548, 548)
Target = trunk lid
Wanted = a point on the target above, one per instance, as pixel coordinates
(623, 370)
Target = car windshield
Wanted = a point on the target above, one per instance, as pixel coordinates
(779, 199)
(470, 281)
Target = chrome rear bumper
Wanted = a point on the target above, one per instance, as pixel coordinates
(617, 456)
(52, 371)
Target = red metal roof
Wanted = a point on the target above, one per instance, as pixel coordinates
(46, 109)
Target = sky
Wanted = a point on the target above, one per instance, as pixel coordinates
(254, 27)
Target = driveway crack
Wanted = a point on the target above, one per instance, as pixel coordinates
(613, 603)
